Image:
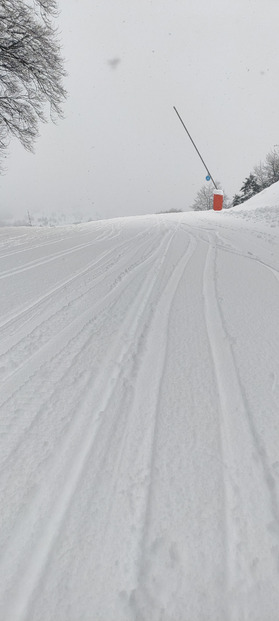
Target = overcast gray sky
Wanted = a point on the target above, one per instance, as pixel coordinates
(120, 149)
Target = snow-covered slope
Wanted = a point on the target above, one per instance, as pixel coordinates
(139, 361)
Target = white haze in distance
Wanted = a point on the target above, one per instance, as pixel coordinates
(121, 149)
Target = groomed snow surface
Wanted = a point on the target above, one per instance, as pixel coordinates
(139, 363)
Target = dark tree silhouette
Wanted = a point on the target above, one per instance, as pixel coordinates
(31, 69)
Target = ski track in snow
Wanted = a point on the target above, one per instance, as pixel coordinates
(46, 329)
(237, 422)
(74, 471)
(139, 434)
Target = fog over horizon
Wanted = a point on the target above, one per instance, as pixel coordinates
(120, 149)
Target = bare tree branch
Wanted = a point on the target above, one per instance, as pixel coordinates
(31, 69)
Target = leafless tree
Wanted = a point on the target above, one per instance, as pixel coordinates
(260, 173)
(272, 166)
(31, 69)
(263, 175)
(204, 198)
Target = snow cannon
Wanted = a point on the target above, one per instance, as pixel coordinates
(218, 196)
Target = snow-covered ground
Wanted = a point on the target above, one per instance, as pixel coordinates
(139, 365)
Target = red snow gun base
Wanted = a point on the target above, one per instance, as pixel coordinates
(218, 200)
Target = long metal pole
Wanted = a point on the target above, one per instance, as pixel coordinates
(210, 175)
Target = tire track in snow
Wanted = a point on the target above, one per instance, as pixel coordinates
(72, 344)
(221, 356)
(55, 255)
(111, 260)
(245, 547)
(81, 294)
(42, 548)
(226, 246)
(66, 377)
(249, 255)
(105, 233)
(39, 262)
(140, 600)
(120, 420)
(55, 290)
(117, 450)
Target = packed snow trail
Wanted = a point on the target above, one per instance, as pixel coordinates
(139, 365)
